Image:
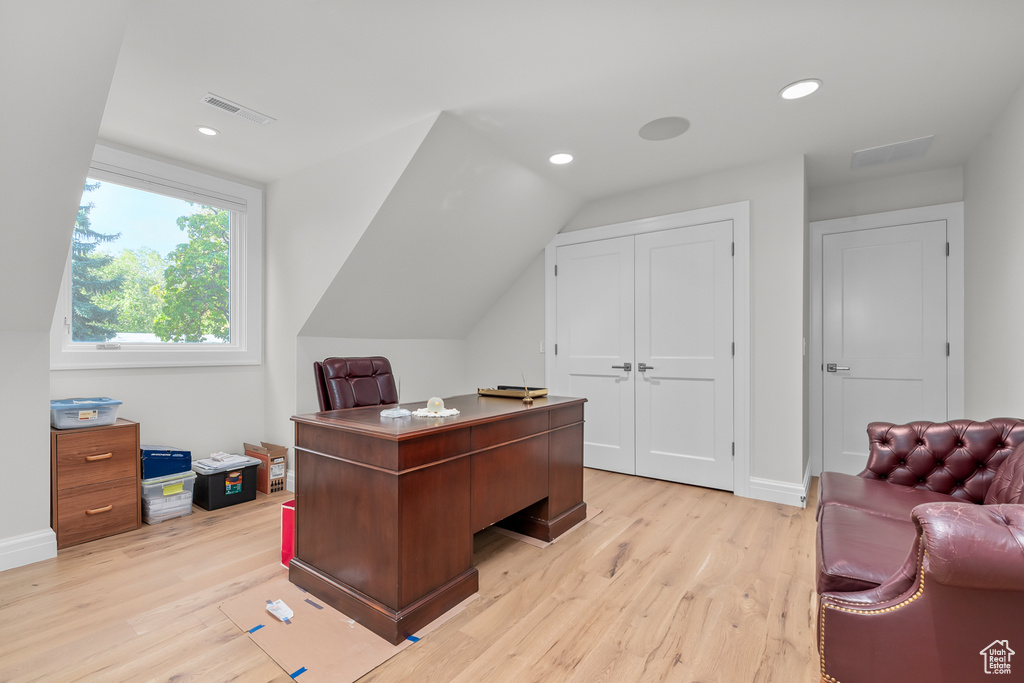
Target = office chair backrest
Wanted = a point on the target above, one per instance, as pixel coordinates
(354, 382)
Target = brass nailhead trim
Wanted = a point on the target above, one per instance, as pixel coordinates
(821, 645)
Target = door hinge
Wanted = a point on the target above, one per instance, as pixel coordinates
(733, 248)
(947, 248)
(734, 449)
(556, 270)
(947, 349)
(734, 349)
(556, 349)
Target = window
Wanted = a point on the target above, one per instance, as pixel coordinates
(164, 269)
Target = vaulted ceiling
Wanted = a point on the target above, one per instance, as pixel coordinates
(541, 76)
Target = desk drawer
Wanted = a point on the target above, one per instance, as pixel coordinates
(506, 479)
(96, 456)
(97, 510)
(510, 429)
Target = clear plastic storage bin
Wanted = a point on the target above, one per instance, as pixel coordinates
(70, 413)
(167, 497)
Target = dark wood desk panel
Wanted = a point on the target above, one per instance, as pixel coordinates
(386, 508)
(521, 468)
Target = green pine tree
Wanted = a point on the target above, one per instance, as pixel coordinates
(89, 321)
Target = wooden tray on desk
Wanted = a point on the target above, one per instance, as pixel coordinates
(512, 392)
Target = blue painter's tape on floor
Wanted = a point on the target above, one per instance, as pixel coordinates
(255, 628)
(314, 604)
(299, 672)
(413, 639)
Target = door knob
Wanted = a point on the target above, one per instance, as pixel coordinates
(644, 366)
(625, 366)
(832, 367)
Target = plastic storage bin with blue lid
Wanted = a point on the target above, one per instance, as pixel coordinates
(71, 413)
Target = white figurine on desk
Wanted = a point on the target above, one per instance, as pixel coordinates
(435, 408)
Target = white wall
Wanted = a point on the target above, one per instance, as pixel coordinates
(314, 219)
(456, 230)
(203, 410)
(506, 343)
(503, 345)
(994, 254)
(908, 191)
(56, 63)
(777, 232)
(424, 367)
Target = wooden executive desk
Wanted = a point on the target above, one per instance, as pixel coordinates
(386, 508)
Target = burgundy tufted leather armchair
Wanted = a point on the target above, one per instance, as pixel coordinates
(353, 382)
(957, 458)
(960, 590)
(921, 556)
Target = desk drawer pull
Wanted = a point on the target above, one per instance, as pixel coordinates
(101, 456)
(97, 511)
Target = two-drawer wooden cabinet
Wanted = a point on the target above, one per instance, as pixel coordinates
(94, 481)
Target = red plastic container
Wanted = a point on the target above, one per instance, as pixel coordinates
(287, 532)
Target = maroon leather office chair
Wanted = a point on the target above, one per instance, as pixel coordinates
(354, 382)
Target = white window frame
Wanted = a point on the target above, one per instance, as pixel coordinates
(246, 263)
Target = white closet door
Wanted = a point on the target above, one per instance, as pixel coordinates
(883, 334)
(594, 334)
(684, 335)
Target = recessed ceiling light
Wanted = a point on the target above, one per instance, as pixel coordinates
(794, 91)
(665, 128)
(206, 130)
(560, 158)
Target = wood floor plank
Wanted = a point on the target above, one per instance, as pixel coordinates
(667, 583)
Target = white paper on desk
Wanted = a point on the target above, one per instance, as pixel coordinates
(223, 459)
(228, 458)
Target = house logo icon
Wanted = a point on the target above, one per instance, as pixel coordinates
(997, 657)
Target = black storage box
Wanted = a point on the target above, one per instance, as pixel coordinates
(230, 487)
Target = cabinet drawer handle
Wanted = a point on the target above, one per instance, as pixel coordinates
(101, 456)
(97, 511)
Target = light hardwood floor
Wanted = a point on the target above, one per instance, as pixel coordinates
(668, 583)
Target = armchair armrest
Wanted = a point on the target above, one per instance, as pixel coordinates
(957, 458)
(963, 582)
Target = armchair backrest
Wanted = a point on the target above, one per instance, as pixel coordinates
(958, 458)
(1008, 483)
(354, 382)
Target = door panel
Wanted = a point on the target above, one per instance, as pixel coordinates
(594, 300)
(884, 318)
(684, 408)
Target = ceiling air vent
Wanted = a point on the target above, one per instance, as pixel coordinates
(236, 109)
(887, 154)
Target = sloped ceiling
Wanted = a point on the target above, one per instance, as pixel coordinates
(45, 151)
(461, 224)
(539, 77)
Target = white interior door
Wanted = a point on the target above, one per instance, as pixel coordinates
(594, 346)
(684, 397)
(884, 338)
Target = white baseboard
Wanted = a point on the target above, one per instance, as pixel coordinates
(781, 491)
(17, 551)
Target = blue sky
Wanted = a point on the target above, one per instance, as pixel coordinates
(144, 219)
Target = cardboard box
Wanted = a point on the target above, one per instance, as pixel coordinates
(270, 477)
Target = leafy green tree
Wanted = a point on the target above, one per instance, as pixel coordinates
(195, 290)
(90, 321)
(137, 302)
